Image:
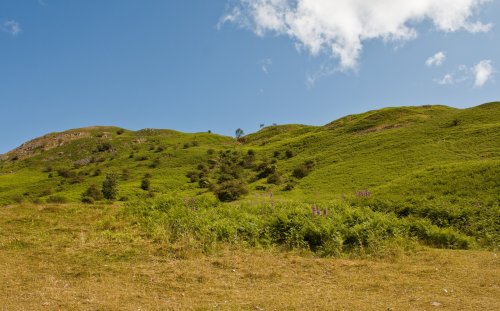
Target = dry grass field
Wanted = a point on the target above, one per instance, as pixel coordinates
(67, 258)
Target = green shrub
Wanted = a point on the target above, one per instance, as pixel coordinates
(93, 193)
(289, 186)
(300, 171)
(204, 183)
(275, 178)
(193, 176)
(145, 184)
(231, 190)
(102, 147)
(66, 173)
(109, 187)
(303, 170)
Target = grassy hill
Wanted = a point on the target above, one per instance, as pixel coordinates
(393, 152)
(435, 164)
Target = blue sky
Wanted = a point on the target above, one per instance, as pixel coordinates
(218, 65)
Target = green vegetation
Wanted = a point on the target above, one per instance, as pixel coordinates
(388, 178)
(332, 229)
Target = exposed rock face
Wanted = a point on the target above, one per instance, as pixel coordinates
(44, 143)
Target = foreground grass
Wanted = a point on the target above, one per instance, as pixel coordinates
(72, 257)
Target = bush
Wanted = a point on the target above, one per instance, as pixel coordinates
(120, 131)
(193, 176)
(289, 154)
(93, 193)
(66, 173)
(109, 187)
(145, 184)
(265, 170)
(289, 186)
(303, 170)
(231, 190)
(76, 180)
(275, 178)
(104, 147)
(87, 200)
(204, 183)
(300, 171)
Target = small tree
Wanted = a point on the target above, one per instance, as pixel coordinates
(109, 187)
(239, 133)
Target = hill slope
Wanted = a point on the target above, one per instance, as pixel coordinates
(426, 151)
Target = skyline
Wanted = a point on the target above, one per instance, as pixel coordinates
(223, 65)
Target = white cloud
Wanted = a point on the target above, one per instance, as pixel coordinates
(447, 79)
(436, 60)
(265, 64)
(482, 72)
(339, 28)
(11, 27)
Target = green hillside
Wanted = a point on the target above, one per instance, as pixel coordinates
(435, 163)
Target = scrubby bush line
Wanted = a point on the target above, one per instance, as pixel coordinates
(482, 221)
(345, 230)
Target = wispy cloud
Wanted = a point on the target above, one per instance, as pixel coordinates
(11, 27)
(480, 73)
(436, 60)
(340, 28)
(232, 17)
(324, 70)
(483, 71)
(265, 64)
